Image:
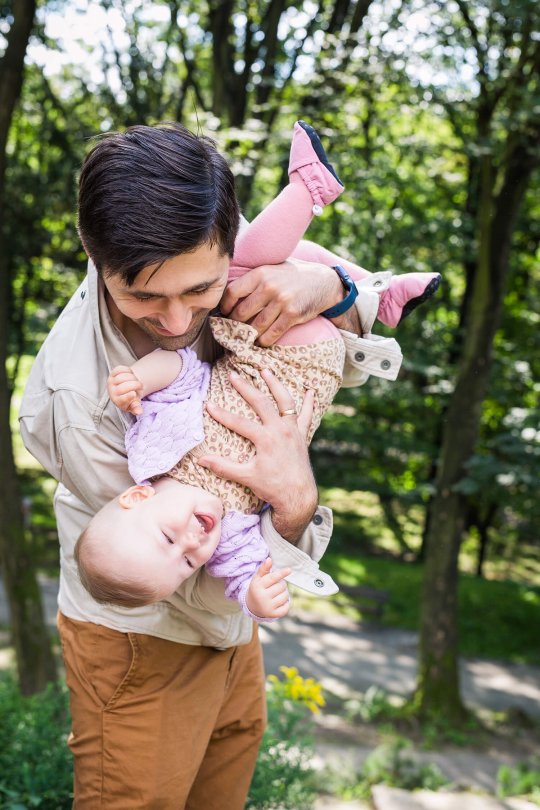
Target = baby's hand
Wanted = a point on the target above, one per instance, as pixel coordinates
(267, 594)
(124, 389)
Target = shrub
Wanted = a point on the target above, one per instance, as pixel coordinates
(520, 780)
(283, 776)
(35, 762)
(392, 764)
(376, 704)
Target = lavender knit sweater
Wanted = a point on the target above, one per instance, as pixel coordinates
(171, 425)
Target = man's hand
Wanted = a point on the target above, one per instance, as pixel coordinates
(267, 595)
(125, 389)
(272, 298)
(279, 472)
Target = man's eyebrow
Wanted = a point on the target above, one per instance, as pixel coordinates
(144, 294)
(203, 285)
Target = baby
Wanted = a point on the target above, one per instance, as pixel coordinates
(140, 547)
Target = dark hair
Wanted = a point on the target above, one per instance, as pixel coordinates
(151, 193)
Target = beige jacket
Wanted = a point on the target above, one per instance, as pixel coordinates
(69, 424)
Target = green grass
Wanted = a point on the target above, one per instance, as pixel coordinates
(496, 619)
(359, 524)
(498, 616)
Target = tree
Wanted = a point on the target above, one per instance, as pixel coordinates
(226, 63)
(500, 131)
(35, 661)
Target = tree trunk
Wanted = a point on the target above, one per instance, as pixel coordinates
(483, 532)
(438, 685)
(228, 99)
(387, 505)
(35, 662)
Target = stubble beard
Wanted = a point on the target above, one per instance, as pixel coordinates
(172, 344)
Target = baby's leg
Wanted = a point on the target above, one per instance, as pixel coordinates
(304, 334)
(319, 328)
(402, 294)
(274, 234)
(311, 252)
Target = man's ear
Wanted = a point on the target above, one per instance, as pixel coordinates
(134, 495)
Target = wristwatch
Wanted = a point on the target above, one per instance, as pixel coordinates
(349, 299)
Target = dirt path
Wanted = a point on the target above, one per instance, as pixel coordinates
(348, 658)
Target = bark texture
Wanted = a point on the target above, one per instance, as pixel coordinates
(35, 662)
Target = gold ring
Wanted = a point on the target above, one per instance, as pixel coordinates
(289, 412)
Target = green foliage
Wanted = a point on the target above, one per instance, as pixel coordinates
(44, 259)
(392, 764)
(437, 729)
(35, 761)
(284, 778)
(393, 713)
(374, 705)
(520, 780)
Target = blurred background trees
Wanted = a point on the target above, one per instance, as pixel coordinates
(430, 111)
(33, 653)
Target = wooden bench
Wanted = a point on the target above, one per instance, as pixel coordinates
(366, 599)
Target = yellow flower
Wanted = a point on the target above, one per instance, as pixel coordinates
(306, 691)
(289, 672)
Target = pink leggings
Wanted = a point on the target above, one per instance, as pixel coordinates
(273, 236)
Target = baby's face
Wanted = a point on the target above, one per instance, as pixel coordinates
(164, 533)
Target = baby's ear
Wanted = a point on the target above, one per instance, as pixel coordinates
(134, 495)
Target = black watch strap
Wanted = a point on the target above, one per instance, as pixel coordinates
(349, 299)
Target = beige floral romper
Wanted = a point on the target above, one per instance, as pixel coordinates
(317, 366)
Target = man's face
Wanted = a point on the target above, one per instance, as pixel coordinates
(170, 304)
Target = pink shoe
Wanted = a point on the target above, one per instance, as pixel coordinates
(404, 294)
(308, 158)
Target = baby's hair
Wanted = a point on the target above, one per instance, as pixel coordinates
(102, 584)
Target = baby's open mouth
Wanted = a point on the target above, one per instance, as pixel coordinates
(207, 522)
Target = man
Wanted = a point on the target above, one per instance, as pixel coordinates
(168, 700)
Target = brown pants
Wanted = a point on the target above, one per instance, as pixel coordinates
(158, 725)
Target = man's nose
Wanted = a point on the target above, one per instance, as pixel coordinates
(177, 319)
